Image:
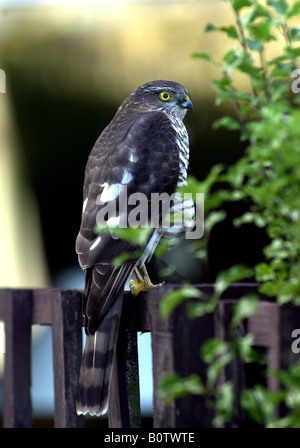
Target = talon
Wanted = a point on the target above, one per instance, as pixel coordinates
(143, 282)
(136, 288)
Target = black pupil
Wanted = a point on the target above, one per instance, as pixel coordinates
(165, 96)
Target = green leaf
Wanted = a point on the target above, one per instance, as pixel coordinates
(244, 347)
(222, 97)
(124, 257)
(269, 288)
(164, 245)
(250, 217)
(201, 55)
(215, 368)
(244, 308)
(200, 308)
(213, 348)
(215, 200)
(293, 53)
(294, 10)
(290, 378)
(171, 300)
(232, 60)
(230, 123)
(280, 6)
(259, 404)
(264, 272)
(137, 235)
(194, 186)
(224, 403)
(254, 45)
(257, 11)
(239, 4)
(217, 354)
(276, 249)
(230, 31)
(214, 217)
(173, 386)
(261, 11)
(261, 31)
(210, 27)
(294, 34)
(232, 275)
(247, 66)
(222, 82)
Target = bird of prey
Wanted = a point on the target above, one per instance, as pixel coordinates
(145, 150)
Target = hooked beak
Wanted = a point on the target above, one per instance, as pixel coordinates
(187, 103)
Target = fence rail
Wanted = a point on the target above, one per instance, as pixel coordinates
(175, 347)
(19, 309)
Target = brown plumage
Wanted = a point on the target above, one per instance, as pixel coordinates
(144, 149)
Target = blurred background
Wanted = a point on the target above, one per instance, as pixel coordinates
(68, 66)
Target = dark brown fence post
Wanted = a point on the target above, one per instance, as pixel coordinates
(176, 343)
(67, 347)
(124, 400)
(17, 411)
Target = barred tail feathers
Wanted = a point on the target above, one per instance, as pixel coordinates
(97, 362)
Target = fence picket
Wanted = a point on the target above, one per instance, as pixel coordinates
(67, 347)
(17, 410)
(175, 346)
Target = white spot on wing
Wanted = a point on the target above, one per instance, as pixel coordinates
(127, 177)
(95, 243)
(110, 192)
(84, 205)
(132, 157)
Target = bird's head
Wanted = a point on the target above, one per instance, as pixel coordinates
(166, 96)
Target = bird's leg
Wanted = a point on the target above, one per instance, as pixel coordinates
(139, 285)
(143, 281)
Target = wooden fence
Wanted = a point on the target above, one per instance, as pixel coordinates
(175, 348)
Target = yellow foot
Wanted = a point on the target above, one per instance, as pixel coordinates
(136, 288)
(143, 282)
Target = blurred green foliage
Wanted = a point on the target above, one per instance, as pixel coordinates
(267, 180)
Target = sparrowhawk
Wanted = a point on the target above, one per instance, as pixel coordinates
(144, 149)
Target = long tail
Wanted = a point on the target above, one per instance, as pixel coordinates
(96, 366)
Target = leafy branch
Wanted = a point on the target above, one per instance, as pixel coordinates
(266, 179)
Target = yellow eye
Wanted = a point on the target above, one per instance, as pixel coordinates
(165, 96)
